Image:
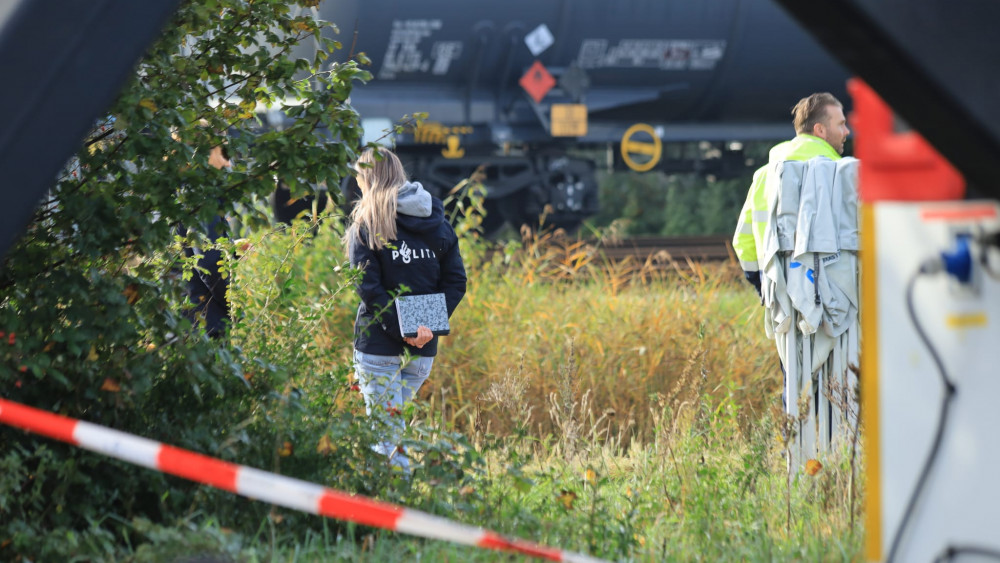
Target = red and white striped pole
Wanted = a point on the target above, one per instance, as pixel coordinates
(268, 487)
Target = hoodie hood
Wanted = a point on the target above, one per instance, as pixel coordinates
(431, 219)
(413, 200)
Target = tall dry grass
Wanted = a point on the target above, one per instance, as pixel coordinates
(548, 316)
(549, 309)
(629, 335)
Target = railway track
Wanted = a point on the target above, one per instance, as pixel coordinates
(566, 255)
(712, 248)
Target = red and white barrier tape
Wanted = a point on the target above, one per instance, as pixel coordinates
(267, 487)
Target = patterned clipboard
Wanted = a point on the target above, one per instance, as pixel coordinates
(429, 310)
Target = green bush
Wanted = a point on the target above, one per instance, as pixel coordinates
(91, 296)
(654, 203)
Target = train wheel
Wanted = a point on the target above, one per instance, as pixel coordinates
(494, 220)
(519, 209)
(570, 224)
(523, 209)
(515, 210)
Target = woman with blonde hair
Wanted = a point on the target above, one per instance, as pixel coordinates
(398, 237)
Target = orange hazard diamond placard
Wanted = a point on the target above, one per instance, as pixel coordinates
(537, 81)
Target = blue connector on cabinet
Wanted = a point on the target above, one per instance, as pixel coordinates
(958, 262)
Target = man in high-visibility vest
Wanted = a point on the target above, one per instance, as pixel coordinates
(821, 129)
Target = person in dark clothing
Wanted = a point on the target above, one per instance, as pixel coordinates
(207, 287)
(399, 238)
(286, 209)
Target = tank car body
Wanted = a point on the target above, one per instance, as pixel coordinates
(514, 85)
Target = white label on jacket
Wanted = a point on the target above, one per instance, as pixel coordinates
(408, 254)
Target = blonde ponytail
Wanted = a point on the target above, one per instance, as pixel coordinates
(380, 175)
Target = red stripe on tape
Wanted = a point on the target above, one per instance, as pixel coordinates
(39, 422)
(197, 467)
(224, 475)
(361, 510)
(492, 540)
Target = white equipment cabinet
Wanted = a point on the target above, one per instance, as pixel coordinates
(955, 513)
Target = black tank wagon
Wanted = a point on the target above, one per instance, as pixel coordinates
(517, 85)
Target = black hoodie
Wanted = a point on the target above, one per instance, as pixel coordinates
(425, 258)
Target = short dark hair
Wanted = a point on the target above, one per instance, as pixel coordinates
(812, 110)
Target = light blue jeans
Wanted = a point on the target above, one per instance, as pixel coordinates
(387, 385)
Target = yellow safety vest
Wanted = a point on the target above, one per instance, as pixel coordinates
(753, 219)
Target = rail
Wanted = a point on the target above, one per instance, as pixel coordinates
(707, 248)
(654, 251)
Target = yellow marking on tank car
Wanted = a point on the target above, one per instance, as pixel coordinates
(648, 151)
(434, 133)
